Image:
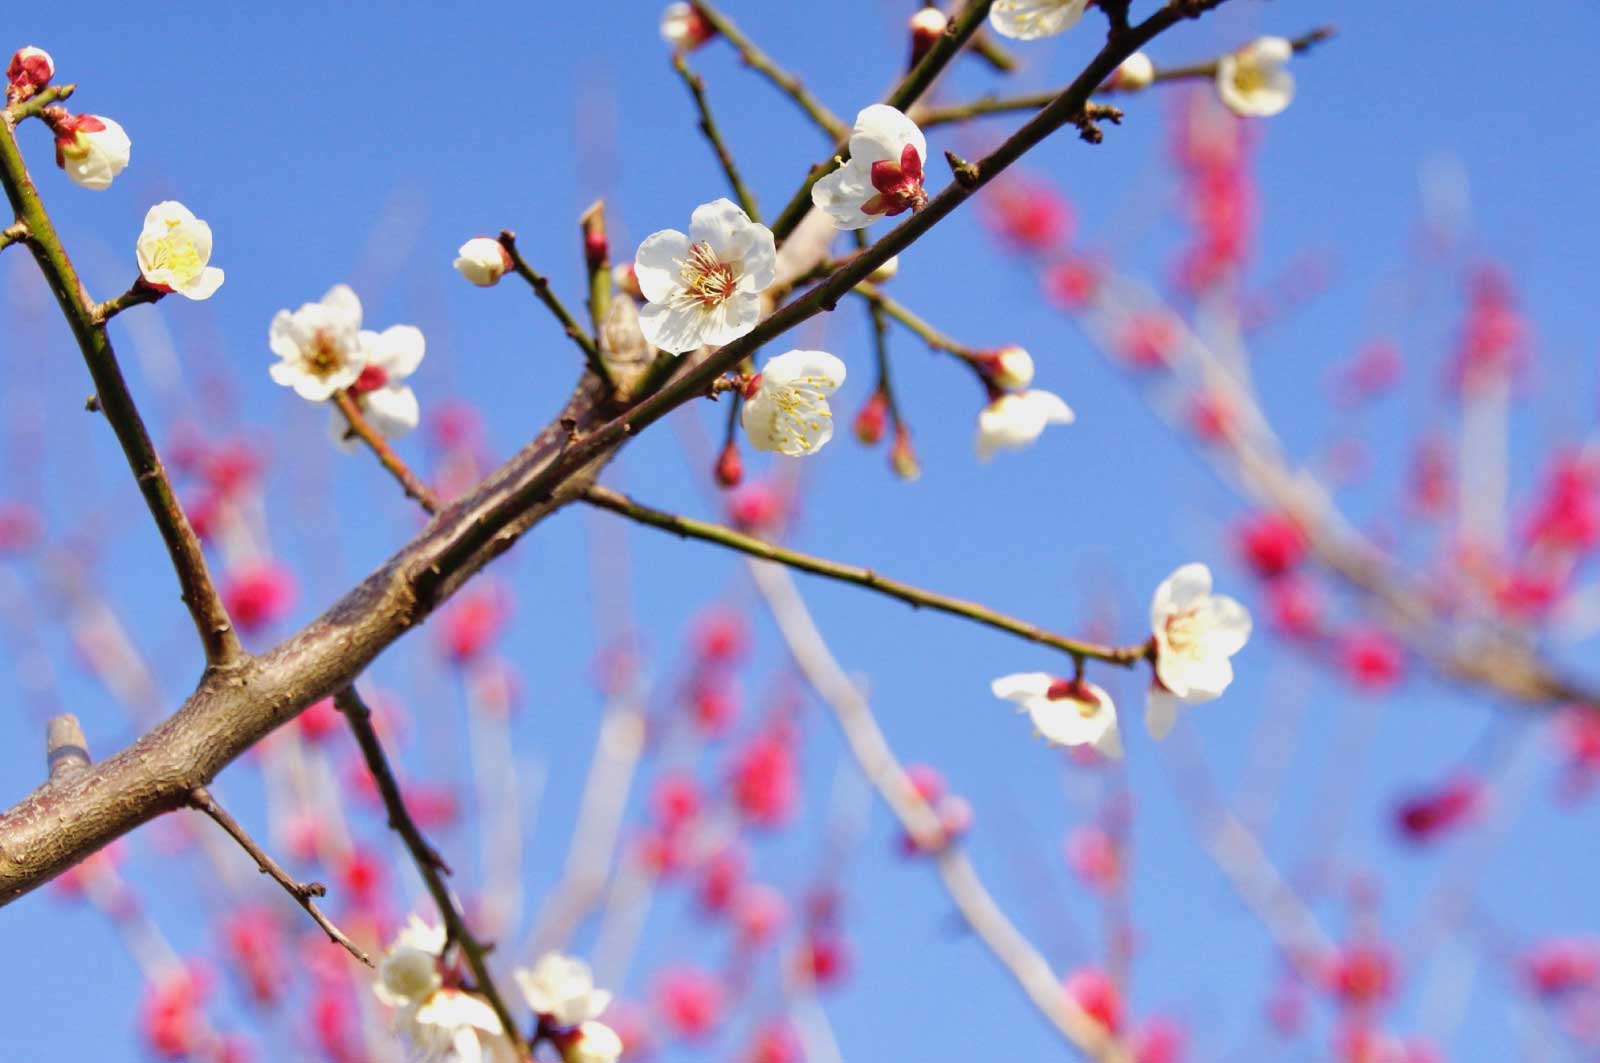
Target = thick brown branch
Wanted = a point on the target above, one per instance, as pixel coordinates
(304, 893)
(217, 635)
(427, 859)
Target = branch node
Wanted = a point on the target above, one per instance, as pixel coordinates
(65, 749)
(966, 174)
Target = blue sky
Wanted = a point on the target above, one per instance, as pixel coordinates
(331, 143)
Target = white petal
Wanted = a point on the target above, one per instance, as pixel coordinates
(1160, 712)
(1228, 626)
(1184, 588)
(659, 262)
(817, 369)
(881, 134)
(203, 286)
(1206, 678)
(346, 306)
(392, 410)
(397, 350)
(674, 329)
(841, 195)
(722, 225)
(758, 265)
(734, 318)
(1030, 19)
(1023, 686)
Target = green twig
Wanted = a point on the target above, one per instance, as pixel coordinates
(541, 289)
(713, 135)
(762, 63)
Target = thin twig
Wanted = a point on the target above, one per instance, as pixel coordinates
(988, 105)
(12, 234)
(713, 135)
(429, 864)
(410, 482)
(569, 324)
(34, 105)
(616, 502)
(137, 294)
(65, 749)
(763, 64)
(210, 616)
(961, 880)
(901, 313)
(304, 893)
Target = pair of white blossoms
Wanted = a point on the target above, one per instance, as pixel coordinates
(704, 288)
(443, 1022)
(1195, 633)
(1253, 82)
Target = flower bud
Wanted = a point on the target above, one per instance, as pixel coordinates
(1135, 73)
(902, 459)
(927, 26)
(684, 27)
(626, 280)
(730, 466)
(483, 261)
(29, 71)
(870, 422)
(885, 270)
(592, 1042)
(1009, 368)
(91, 149)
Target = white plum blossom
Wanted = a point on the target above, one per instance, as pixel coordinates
(883, 175)
(174, 252)
(561, 989)
(1014, 421)
(483, 261)
(592, 1042)
(389, 357)
(786, 404)
(1254, 81)
(1196, 632)
(319, 345)
(441, 1023)
(704, 288)
(92, 149)
(1134, 73)
(1065, 712)
(1029, 19)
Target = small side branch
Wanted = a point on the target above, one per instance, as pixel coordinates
(541, 289)
(767, 67)
(13, 234)
(713, 135)
(304, 893)
(429, 863)
(904, 315)
(616, 502)
(137, 295)
(410, 482)
(65, 749)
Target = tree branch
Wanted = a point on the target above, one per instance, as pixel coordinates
(903, 314)
(410, 482)
(569, 324)
(137, 294)
(713, 135)
(13, 234)
(686, 527)
(426, 857)
(304, 893)
(210, 617)
(763, 64)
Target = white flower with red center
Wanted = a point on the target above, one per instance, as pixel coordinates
(29, 71)
(704, 288)
(483, 261)
(1254, 81)
(91, 148)
(1067, 712)
(319, 345)
(561, 990)
(883, 175)
(786, 404)
(1196, 632)
(389, 406)
(684, 27)
(174, 252)
(1014, 421)
(1026, 20)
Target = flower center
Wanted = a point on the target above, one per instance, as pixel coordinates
(899, 185)
(372, 378)
(1249, 77)
(1184, 632)
(324, 356)
(706, 279)
(176, 254)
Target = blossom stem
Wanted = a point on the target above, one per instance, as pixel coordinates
(880, 344)
(137, 294)
(541, 289)
(304, 893)
(429, 864)
(687, 527)
(926, 332)
(713, 135)
(210, 616)
(961, 112)
(902, 96)
(410, 482)
(763, 64)
(13, 115)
